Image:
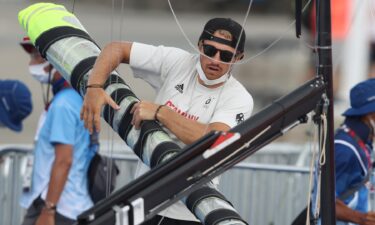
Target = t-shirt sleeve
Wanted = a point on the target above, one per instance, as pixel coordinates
(234, 111)
(153, 63)
(63, 124)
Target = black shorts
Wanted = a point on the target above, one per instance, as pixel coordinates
(34, 211)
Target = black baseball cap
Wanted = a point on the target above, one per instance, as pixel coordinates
(238, 33)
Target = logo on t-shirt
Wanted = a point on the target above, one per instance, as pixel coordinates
(179, 111)
(240, 117)
(180, 88)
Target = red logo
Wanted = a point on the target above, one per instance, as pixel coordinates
(179, 111)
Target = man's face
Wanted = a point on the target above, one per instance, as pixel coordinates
(214, 68)
(40, 68)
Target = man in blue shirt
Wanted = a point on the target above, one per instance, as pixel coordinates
(353, 150)
(353, 165)
(59, 192)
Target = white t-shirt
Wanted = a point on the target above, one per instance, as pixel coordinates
(172, 73)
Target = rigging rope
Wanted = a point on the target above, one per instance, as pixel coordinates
(312, 161)
(246, 60)
(322, 129)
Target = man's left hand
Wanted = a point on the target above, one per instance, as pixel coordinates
(46, 217)
(143, 110)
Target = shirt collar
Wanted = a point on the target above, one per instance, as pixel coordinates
(360, 128)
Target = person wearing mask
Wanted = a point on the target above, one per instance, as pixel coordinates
(62, 154)
(41, 71)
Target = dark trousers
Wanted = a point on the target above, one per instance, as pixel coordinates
(34, 211)
(160, 220)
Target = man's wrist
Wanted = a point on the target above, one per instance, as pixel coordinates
(157, 112)
(49, 207)
(361, 217)
(94, 85)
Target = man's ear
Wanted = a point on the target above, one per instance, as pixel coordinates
(240, 56)
(200, 43)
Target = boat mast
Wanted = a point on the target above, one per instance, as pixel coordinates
(324, 68)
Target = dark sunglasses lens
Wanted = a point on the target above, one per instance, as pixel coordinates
(209, 50)
(226, 56)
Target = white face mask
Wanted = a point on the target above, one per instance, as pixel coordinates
(38, 72)
(206, 81)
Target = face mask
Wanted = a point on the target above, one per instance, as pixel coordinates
(206, 81)
(38, 72)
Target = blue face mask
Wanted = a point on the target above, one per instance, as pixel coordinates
(58, 85)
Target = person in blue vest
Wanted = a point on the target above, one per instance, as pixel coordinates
(15, 104)
(353, 163)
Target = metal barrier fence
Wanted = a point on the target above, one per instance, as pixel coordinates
(13, 160)
(264, 194)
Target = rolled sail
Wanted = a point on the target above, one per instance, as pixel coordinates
(62, 40)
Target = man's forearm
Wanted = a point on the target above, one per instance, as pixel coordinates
(185, 129)
(108, 60)
(59, 174)
(344, 213)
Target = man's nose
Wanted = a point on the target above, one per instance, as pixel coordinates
(217, 56)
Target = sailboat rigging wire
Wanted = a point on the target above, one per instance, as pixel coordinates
(242, 30)
(111, 137)
(371, 6)
(110, 133)
(190, 42)
(246, 60)
(74, 3)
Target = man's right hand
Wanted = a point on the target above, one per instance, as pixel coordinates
(93, 102)
(369, 219)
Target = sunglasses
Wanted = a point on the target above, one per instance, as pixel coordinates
(210, 51)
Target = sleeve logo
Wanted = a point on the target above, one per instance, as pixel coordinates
(240, 117)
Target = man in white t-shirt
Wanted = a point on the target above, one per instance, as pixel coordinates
(196, 93)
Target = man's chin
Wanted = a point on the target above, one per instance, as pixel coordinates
(212, 74)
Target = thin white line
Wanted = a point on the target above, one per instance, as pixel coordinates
(355, 152)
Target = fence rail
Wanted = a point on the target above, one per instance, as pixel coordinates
(264, 194)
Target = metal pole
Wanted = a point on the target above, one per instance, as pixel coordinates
(324, 42)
